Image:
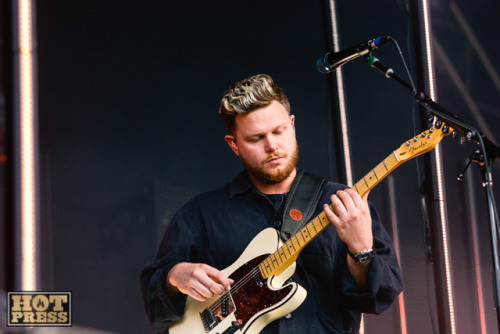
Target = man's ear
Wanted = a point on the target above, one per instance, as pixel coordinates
(231, 141)
(292, 120)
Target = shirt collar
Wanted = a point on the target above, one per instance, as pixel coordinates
(240, 184)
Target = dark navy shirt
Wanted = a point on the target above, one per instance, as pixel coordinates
(215, 228)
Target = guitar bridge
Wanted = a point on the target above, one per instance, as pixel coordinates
(217, 312)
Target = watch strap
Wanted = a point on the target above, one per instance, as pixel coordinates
(362, 257)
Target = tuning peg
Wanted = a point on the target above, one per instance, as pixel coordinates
(476, 157)
(445, 129)
(453, 135)
(460, 176)
(438, 124)
(430, 118)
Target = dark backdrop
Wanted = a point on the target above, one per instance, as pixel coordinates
(129, 128)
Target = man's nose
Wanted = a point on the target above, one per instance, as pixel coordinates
(271, 145)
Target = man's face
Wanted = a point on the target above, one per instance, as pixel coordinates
(265, 141)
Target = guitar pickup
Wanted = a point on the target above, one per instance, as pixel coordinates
(217, 312)
(258, 281)
(224, 307)
(209, 319)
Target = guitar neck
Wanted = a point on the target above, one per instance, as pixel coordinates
(280, 260)
(377, 174)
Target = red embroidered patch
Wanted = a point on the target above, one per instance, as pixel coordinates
(295, 214)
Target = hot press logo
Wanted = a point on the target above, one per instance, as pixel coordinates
(39, 309)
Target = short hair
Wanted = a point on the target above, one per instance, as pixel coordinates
(250, 94)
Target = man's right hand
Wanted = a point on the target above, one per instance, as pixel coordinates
(197, 280)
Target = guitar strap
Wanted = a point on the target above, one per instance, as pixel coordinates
(301, 202)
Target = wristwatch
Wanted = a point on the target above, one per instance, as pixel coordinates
(364, 256)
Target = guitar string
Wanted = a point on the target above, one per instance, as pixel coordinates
(249, 276)
(236, 288)
(255, 271)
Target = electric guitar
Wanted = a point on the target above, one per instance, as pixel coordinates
(259, 294)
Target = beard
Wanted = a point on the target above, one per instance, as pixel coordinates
(274, 175)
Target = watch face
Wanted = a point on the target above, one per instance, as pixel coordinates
(364, 257)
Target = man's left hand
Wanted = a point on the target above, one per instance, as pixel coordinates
(352, 221)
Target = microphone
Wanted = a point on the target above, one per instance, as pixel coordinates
(331, 61)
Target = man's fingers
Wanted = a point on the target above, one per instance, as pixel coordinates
(211, 279)
(365, 196)
(339, 209)
(348, 198)
(218, 277)
(196, 295)
(198, 280)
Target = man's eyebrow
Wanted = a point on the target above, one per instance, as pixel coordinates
(258, 134)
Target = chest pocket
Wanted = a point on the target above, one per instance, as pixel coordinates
(318, 257)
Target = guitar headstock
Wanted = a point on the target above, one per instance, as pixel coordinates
(423, 142)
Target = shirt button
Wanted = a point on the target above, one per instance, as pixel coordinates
(277, 223)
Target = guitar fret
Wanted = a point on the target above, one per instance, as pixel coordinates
(267, 266)
(281, 256)
(307, 229)
(355, 186)
(273, 259)
(314, 227)
(380, 168)
(302, 235)
(312, 230)
(385, 165)
(321, 218)
(373, 170)
(367, 186)
(298, 242)
(268, 270)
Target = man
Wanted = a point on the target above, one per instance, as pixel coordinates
(349, 268)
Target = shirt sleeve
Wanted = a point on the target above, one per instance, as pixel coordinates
(178, 245)
(384, 280)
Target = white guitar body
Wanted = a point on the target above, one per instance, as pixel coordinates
(252, 303)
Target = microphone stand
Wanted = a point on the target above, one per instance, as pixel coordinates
(489, 152)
